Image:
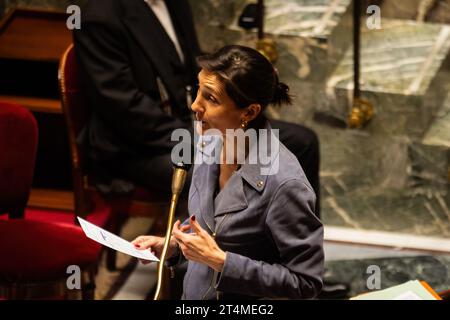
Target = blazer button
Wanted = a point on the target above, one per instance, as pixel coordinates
(260, 183)
(203, 144)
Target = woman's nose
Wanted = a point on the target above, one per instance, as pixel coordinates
(196, 105)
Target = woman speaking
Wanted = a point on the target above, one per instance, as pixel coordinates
(252, 231)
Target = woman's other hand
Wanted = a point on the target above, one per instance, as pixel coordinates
(199, 246)
(155, 245)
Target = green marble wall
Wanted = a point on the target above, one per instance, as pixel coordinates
(419, 10)
(393, 174)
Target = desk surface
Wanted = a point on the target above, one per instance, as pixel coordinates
(34, 35)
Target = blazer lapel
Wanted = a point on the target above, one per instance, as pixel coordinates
(182, 21)
(232, 197)
(145, 28)
(204, 181)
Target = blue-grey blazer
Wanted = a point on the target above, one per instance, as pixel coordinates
(267, 226)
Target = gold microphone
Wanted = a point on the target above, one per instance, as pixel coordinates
(178, 179)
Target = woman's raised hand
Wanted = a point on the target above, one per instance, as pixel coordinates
(198, 246)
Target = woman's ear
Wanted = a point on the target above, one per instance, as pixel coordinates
(252, 111)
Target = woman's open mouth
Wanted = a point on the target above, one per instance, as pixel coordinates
(202, 126)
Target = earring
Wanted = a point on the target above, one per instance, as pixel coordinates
(244, 124)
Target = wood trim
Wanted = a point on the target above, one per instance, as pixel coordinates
(19, 45)
(82, 203)
(47, 13)
(35, 104)
(51, 199)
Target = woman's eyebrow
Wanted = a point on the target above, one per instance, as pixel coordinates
(211, 90)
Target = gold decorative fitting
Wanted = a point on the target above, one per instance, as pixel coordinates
(361, 113)
(268, 49)
(260, 183)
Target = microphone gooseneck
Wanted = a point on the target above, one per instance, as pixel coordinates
(178, 180)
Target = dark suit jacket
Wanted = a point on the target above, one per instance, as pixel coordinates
(122, 48)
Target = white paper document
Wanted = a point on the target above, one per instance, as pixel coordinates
(114, 242)
(408, 295)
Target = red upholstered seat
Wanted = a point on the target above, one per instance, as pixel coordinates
(35, 254)
(18, 142)
(41, 251)
(99, 216)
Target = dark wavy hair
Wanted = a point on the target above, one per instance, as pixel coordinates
(248, 77)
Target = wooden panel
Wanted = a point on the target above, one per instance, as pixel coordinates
(34, 35)
(31, 44)
(35, 104)
(51, 199)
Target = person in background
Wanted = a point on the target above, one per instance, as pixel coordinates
(138, 61)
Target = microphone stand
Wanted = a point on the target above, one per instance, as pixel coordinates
(178, 179)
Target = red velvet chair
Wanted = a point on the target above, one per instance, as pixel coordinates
(18, 143)
(35, 255)
(87, 198)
